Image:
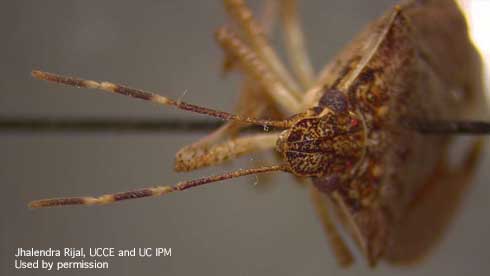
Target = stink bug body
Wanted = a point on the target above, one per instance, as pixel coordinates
(356, 131)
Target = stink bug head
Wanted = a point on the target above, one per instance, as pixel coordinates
(331, 143)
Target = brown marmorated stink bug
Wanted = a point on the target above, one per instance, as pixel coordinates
(371, 130)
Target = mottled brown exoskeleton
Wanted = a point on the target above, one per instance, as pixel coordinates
(358, 129)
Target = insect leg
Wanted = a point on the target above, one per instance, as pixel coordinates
(295, 43)
(239, 11)
(340, 249)
(189, 159)
(266, 19)
(152, 97)
(254, 102)
(257, 70)
(151, 191)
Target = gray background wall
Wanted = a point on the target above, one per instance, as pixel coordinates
(232, 228)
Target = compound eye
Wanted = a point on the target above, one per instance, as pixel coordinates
(334, 100)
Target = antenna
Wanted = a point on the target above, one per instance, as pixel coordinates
(152, 97)
(152, 191)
